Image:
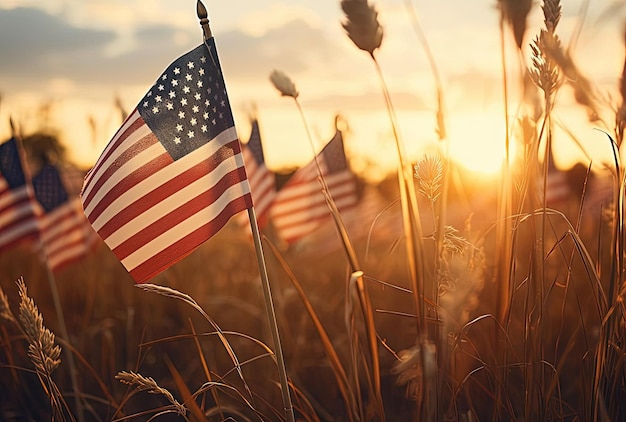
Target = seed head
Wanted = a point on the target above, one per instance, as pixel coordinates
(283, 84)
(362, 24)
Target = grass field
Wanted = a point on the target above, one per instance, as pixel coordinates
(465, 300)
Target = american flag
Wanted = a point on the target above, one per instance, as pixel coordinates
(262, 180)
(18, 220)
(300, 207)
(66, 235)
(173, 174)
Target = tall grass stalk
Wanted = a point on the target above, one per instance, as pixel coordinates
(287, 88)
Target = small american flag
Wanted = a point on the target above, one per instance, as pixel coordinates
(262, 180)
(173, 174)
(300, 207)
(18, 220)
(66, 235)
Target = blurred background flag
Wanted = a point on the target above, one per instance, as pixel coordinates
(66, 235)
(262, 180)
(300, 207)
(173, 174)
(18, 219)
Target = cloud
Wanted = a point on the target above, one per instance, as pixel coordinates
(35, 42)
(43, 47)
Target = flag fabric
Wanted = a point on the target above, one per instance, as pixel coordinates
(300, 207)
(18, 219)
(173, 174)
(66, 235)
(262, 180)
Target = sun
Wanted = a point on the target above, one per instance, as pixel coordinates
(477, 142)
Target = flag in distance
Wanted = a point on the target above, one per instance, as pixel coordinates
(300, 207)
(262, 180)
(173, 174)
(18, 220)
(66, 235)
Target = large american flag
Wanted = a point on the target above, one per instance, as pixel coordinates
(173, 174)
(300, 207)
(66, 235)
(262, 180)
(18, 220)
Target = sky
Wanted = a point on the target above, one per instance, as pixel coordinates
(65, 63)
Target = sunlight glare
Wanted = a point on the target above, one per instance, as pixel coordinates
(477, 142)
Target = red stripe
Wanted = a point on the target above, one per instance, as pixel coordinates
(144, 143)
(150, 199)
(181, 213)
(188, 244)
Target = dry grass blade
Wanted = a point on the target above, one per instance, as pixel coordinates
(184, 390)
(362, 24)
(169, 292)
(5, 308)
(149, 385)
(331, 353)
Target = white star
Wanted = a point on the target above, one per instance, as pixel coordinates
(207, 103)
(199, 84)
(179, 127)
(221, 116)
(195, 109)
(201, 71)
(203, 59)
(208, 90)
(177, 71)
(204, 128)
(177, 140)
(214, 122)
(158, 98)
(183, 101)
(188, 77)
(186, 90)
(181, 114)
(190, 65)
(197, 96)
(145, 104)
(149, 94)
(164, 77)
(172, 94)
(206, 116)
(161, 87)
(174, 82)
(193, 122)
(223, 103)
(169, 105)
(190, 134)
(155, 109)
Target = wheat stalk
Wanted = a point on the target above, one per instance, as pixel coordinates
(149, 385)
(362, 24)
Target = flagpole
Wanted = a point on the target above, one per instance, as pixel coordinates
(278, 352)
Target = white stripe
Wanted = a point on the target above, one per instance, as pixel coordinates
(185, 228)
(154, 180)
(166, 206)
(144, 156)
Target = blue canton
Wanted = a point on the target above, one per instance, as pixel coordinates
(254, 144)
(10, 164)
(49, 189)
(188, 105)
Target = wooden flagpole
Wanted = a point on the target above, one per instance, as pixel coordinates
(282, 372)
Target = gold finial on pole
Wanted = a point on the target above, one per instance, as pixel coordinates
(203, 15)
